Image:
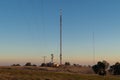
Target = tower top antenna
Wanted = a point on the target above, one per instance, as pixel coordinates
(60, 11)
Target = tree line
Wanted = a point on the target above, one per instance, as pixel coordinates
(103, 67)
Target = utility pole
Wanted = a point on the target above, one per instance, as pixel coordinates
(93, 48)
(44, 58)
(60, 36)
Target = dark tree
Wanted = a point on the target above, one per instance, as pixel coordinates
(34, 65)
(16, 65)
(67, 63)
(43, 65)
(100, 68)
(101, 65)
(28, 64)
(115, 69)
(95, 68)
(102, 72)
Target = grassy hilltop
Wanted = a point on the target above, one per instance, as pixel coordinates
(35, 73)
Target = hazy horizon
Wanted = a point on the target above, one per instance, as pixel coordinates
(29, 30)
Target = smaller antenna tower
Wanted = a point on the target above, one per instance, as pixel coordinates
(52, 57)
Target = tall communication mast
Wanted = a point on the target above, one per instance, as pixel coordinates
(93, 48)
(60, 36)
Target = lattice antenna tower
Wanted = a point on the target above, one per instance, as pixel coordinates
(60, 36)
(93, 48)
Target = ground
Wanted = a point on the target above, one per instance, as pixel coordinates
(38, 73)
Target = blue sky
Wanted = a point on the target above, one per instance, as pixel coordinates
(29, 30)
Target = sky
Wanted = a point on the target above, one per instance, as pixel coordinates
(29, 30)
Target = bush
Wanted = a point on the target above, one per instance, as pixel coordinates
(34, 65)
(43, 65)
(28, 64)
(67, 63)
(16, 65)
(102, 72)
(115, 69)
(100, 67)
(95, 68)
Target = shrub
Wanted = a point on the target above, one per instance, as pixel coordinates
(28, 64)
(115, 69)
(16, 65)
(67, 63)
(43, 65)
(34, 65)
(100, 67)
(95, 68)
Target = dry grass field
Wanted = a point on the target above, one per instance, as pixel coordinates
(38, 73)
